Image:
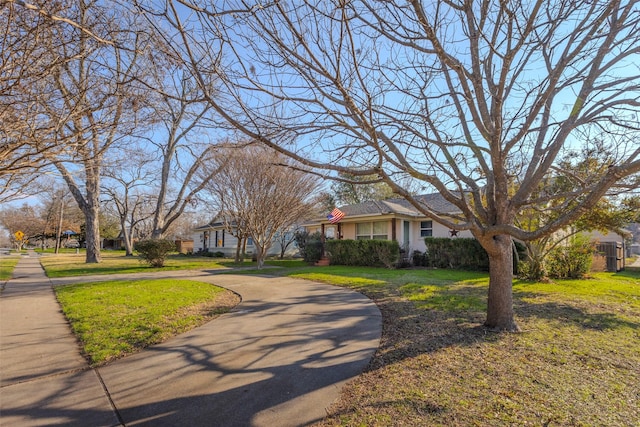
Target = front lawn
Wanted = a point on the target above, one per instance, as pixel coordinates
(116, 318)
(66, 265)
(115, 262)
(576, 363)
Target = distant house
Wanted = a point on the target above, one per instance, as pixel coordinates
(392, 219)
(216, 237)
(611, 251)
(183, 246)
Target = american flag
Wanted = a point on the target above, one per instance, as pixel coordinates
(335, 216)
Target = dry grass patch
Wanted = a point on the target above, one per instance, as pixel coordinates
(577, 363)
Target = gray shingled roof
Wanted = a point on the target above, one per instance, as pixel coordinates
(399, 206)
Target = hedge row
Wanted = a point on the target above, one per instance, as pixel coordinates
(458, 253)
(370, 253)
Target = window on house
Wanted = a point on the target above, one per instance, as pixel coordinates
(363, 230)
(426, 228)
(380, 230)
(372, 230)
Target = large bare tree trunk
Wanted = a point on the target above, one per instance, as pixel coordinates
(92, 235)
(500, 300)
(239, 248)
(128, 241)
(91, 210)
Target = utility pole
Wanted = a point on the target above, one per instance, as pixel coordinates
(59, 230)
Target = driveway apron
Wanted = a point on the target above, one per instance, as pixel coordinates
(279, 358)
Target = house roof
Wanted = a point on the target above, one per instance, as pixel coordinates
(399, 206)
(210, 225)
(395, 206)
(215, 222)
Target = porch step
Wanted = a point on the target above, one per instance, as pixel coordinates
(322, 262)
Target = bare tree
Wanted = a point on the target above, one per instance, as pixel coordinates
(125, 186)
(57, 204)
(94, 101)
(258, 195)
(182, 144)
(474, 99)
(25, 219)
(28, 58)
(285, 238)
(24, 62)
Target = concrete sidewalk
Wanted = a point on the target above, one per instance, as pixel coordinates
(280, 358)
(43, 378)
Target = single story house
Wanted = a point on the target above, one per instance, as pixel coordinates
(398, 220)
(216, 237)
(391, 219)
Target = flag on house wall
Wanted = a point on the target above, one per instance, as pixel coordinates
(335, 216)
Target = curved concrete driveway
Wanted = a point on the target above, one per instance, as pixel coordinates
(279, 358)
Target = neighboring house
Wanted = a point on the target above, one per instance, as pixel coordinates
(611, 251)
(215, 237)
(633, 246)
(117, 243)
(392, 219)
(183, 246)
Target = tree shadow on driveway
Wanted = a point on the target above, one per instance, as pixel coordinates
(276, 362)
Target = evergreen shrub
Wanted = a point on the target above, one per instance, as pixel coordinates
(154, 251)
(458, 253)
(369, 253)
(572, 261)
(309, 245)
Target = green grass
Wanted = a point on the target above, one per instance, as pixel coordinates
(620, 289)
(62, 251)
(577, 362)
(7, 264)
(116, 318)
(66, 265)
(69, 264)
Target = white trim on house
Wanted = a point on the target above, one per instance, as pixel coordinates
(215, 237)
(403, 222)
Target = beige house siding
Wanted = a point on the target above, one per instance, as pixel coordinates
(415, 240)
